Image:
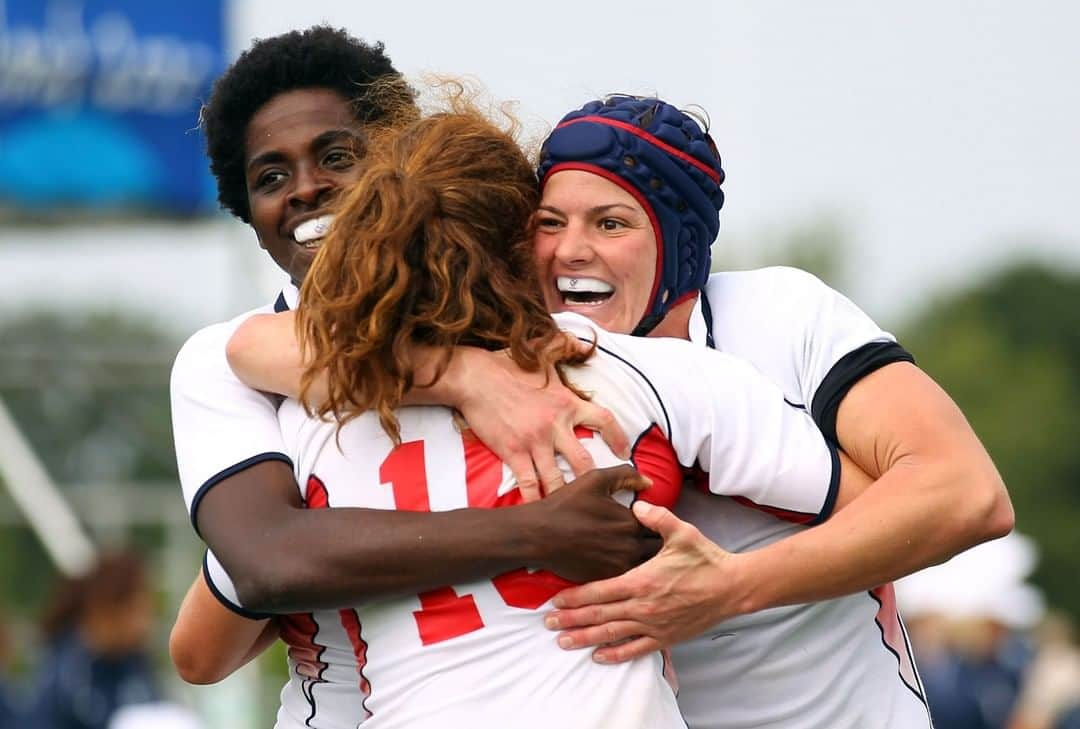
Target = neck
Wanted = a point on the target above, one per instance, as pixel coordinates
(677, 322)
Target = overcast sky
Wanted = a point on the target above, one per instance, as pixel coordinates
(945, 136)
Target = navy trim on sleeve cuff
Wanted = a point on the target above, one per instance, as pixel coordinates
(238, 609)
(851, 368)
(231, 471)
(834, 487)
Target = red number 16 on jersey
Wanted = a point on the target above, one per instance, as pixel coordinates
(444, 614)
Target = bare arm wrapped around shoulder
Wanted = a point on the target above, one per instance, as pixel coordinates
(526, 418)
(931, 491)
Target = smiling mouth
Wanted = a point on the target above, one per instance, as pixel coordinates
(310, 233)
(583, 291)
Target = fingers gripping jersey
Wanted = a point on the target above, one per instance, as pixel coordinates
(477, 653)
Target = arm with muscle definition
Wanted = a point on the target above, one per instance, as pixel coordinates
(524, 417)
(932, 492)
(246, 505)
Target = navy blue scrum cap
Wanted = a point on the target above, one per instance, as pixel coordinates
(663, 158)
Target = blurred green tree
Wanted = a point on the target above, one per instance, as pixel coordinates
(90, 393)
(1008, 351)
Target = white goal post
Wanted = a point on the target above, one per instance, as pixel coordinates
(37, 497)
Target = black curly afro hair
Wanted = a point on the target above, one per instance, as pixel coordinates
(319, 57)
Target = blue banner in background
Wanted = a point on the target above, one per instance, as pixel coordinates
(99, 103)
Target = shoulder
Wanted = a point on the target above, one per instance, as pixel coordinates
(577, 325)
(207, 339)
(637, 353)
(205, 349)
(781, 284)
(648, 375)
(784, 301)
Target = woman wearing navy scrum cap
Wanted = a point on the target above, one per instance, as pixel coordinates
(772, 623)
(673, 178)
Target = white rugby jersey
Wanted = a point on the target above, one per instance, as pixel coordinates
(477, 654)
(843, 663)
(220, 425)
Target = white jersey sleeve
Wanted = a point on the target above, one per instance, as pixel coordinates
(721, 414)
(221, 586)
(807, 337)
(220, 425)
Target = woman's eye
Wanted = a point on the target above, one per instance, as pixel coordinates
(548, 223)
(269, 179)
(611, 224)
(338, 159)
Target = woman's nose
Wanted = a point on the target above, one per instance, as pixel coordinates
(573, 248)
(309, 187)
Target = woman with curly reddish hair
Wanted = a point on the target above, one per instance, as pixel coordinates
(431, 248)
(438, 258)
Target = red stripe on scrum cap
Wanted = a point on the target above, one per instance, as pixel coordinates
(639, 132)
(685, 297)
(645, 204)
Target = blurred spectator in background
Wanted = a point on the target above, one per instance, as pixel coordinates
(9, 702)
(94, 659)
(1050, 698)
(1071, 720)
(968, 620)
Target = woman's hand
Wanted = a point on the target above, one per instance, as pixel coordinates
(899, 427)
(587, 534)
(678, 594)
(524, 419)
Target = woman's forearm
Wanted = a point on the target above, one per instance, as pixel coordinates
(915, 516)
(938, 493)
(208, 641)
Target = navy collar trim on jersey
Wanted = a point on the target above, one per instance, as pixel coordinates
(706, 312)
(287, 299)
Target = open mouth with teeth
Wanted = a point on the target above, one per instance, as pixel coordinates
(584, 291)
(310, 233)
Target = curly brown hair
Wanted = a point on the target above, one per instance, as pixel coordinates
(431, 246)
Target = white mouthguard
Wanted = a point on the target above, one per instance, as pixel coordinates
(566, 284)
(313, 229)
